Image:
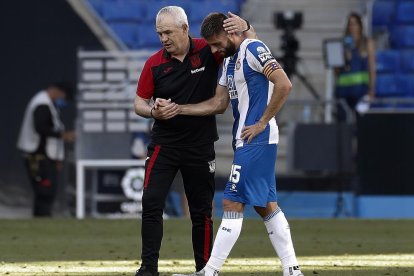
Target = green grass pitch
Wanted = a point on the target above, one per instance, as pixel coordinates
(112, 247)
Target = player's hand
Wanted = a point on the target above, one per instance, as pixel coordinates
(234, 23)
(165, 112)
(161, 102)
(249, 132)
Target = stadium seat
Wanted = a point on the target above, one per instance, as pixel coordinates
(229, 5)
(200, 9)
(387, 86)
(407, 61)
(383, 13)
(127, 32)
(154, 6)
(388, 61)
(405, 12)
(406, 84)
(97, 5)
(402, 37)
(148, 37)
(124, 10)
(195, 28)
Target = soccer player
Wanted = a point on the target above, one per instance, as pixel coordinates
(257, 87)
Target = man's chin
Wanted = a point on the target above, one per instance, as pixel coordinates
(224, 54)
(169, 49)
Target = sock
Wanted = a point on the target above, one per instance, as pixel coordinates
(279, 234)
(226, 237)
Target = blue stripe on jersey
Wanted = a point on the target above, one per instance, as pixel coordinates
(231, 86)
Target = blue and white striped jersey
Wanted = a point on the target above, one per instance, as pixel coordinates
(244, 75)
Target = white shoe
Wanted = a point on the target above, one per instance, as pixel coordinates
(292, 271)
(198, 273)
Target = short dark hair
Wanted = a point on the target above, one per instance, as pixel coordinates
(212, 24)
(65, 86)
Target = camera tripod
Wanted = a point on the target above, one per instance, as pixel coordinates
(289, 65)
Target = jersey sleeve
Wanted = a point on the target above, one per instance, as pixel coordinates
(260, 58)
(145, 88)
(222, 80)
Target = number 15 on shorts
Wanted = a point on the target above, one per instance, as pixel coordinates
(235, 174)
(234, 177)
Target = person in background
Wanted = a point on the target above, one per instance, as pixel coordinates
(185, 71)
(41, 140)
(357, 78)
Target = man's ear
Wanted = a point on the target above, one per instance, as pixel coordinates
(231, 36)
(185, 28)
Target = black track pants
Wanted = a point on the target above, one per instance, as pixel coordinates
(197, 166)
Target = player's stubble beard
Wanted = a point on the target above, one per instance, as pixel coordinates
(230, 49)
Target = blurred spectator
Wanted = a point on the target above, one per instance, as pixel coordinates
(41, 140)
(357, 78)
(140, 141)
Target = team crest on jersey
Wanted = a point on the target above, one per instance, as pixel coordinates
(264, 54)
(238, 64)
(195, 61)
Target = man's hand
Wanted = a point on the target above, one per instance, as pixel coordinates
(164, 109)
(249, 132)
(234, 23)
(69, 136)
(159, 102)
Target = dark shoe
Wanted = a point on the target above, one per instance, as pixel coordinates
(144, 271)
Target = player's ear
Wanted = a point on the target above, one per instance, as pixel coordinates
(231, 36)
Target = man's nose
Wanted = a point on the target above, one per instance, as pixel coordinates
(163, 37)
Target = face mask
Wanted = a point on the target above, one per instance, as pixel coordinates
(60, 102)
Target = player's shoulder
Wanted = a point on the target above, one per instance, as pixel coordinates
(255, 44)
(199, 43)
(156, 58)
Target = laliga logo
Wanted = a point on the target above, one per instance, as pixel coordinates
(263, 54)
(133, 186)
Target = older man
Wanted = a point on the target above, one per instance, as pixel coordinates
(184, 71)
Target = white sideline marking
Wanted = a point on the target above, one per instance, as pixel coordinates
(231, 265)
